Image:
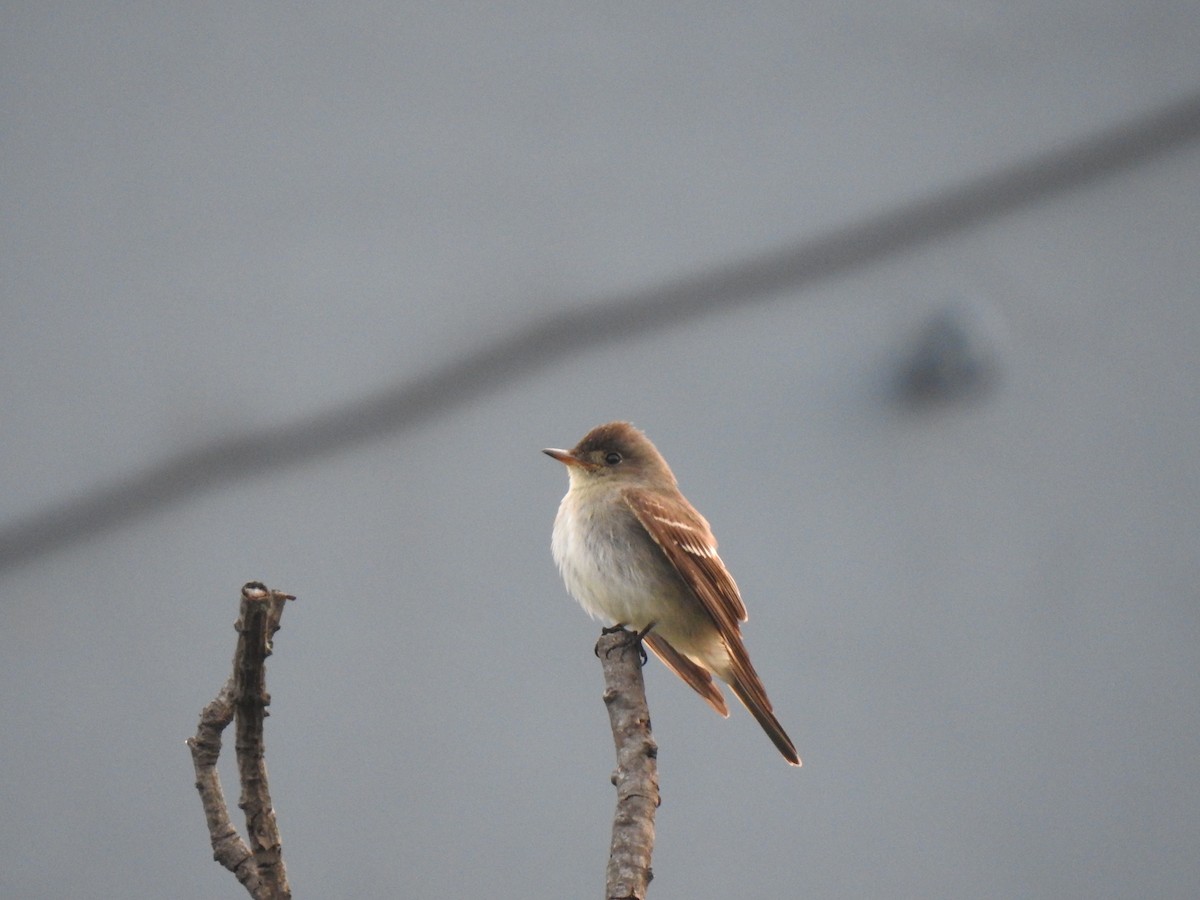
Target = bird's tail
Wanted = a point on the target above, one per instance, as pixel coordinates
(697, 676)
(749, 690)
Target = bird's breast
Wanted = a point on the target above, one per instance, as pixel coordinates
(611, 565)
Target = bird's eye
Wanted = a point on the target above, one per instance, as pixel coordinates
(612, 457)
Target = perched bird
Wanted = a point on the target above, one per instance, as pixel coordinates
(634, 552)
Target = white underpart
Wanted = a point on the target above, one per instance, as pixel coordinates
(612, 566)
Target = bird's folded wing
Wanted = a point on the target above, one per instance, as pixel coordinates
(684, 536)
(688, 542)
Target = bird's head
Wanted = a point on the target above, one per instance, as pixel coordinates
(618, 453)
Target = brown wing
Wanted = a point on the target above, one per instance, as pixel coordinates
(688, 542)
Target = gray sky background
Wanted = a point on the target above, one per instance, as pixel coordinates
(977, 617)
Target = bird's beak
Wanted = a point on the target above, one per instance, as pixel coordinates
(565, 457)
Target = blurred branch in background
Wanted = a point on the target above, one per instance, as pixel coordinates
(636, 776)
(402, 406)
(259, 865)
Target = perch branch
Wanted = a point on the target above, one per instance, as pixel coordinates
(258, 865)
(636, 775)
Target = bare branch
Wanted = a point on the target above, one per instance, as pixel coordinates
(259, 864)
(636, 775)
(228, 847)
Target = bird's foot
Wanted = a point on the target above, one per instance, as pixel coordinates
(632, 639)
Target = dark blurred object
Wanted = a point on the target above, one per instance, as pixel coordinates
(953, 357)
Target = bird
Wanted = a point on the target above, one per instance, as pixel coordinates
(634, 552)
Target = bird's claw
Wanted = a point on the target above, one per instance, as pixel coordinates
(632, 639)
